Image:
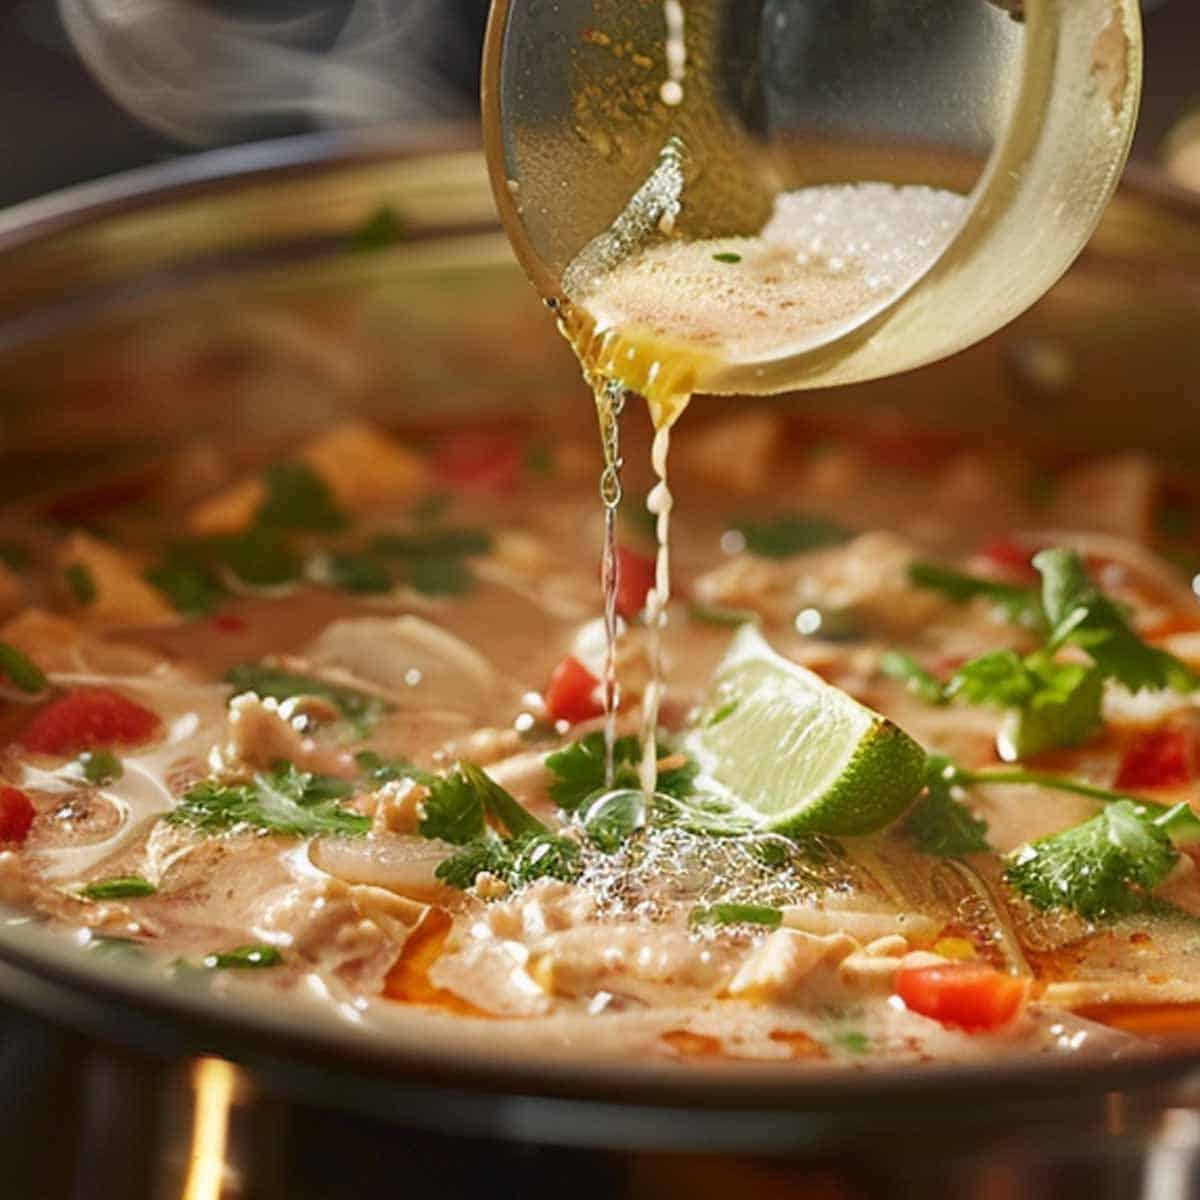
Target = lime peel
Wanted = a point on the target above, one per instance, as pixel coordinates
(798, 755)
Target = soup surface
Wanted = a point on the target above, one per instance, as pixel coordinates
(330, 723)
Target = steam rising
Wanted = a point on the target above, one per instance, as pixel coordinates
(200, 75)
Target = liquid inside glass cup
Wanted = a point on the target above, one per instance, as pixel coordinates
(760, 195)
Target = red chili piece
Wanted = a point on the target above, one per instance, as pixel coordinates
(483, 460)
(1159, 758)
(229, 623)
(89, 719)
(635, 578)
(571, 693)
(16, 814)
(969, 996)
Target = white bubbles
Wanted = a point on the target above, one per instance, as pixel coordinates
(829, 259)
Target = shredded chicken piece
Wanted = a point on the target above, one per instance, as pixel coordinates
(868, 575)
(260, 734)
(776, 972)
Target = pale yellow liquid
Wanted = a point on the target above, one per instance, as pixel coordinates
(670, 315)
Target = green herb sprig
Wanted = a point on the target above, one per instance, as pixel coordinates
(283, 800)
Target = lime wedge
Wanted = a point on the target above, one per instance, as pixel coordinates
(800, 755)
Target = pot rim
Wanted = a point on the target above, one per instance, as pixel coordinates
(572, 1102)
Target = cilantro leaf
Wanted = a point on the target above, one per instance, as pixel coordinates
(362, 574)
(489, 854)
(1050, 703)
(1001, 678)
(1080, 614)
(940, 823)
(518, 820)
(453, 811)
(277, 684)
(282, 800)
(1103, 867)
(579, 771)
(189, 585)
(434, 543)
(1017, 604)
(456, 812)
(435, 560)
(906, 670)
(298, 498)
(545, 856)
(516, 861)
(100, 767)
(1065, 710)
(379, 770)
(458, 804)
(259, 557)
(790, 534)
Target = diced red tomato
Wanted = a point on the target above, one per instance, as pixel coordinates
(571, 693)
(1159, 758)
(16, 814)
(479, 460)
(229, 623)
(968, 995)
(1009, 558)
(635, 578)
(89, 719)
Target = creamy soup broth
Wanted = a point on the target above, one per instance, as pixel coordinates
(238, 699)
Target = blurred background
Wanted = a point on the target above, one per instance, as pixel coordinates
(92, 87)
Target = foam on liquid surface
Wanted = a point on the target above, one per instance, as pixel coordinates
(829, 258)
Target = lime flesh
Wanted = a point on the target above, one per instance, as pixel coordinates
(799, 755)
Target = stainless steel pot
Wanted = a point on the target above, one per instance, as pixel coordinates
(244, 293)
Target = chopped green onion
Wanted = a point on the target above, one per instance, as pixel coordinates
(243, 957)
(736, 914)
(122, 887)
(727, 256)
(21, 672)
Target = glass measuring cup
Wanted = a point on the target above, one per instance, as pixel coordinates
(615, 126)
